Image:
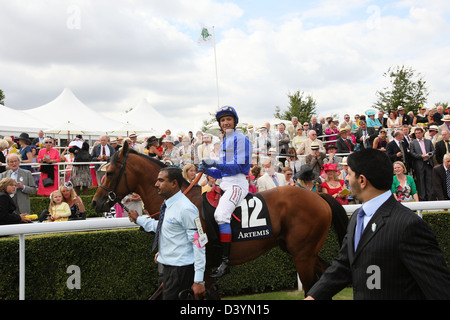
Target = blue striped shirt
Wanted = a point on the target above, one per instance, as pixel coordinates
(235, 156)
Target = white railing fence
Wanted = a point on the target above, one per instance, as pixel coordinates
(92, 224)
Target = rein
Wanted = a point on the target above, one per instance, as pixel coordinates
(112, 196)
(193, 183)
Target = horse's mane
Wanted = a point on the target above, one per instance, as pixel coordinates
(146, 157)
(142, 155)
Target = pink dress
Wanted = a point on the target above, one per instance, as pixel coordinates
(333, 191)
(333, 138)
(54, 155)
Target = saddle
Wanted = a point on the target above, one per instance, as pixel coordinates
(250, 220)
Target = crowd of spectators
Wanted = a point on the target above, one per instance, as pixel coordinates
(310, 155)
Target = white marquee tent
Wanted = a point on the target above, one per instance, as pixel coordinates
(143, 115)
(14, 122)
(66, 108)
(66, 115)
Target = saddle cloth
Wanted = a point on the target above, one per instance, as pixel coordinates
(250, 220)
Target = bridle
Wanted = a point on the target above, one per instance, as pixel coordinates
(112, 196)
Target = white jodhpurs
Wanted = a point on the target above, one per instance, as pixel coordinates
(235, 190)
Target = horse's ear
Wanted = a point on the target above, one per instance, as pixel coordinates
(124, 149)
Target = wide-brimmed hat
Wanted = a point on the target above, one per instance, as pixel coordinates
(344, 162)
(331, 146)
(433, 128)
(25, 137)
(315, 146)
(344, 129)
(307, 173)
(152, 139)
(330, 167)
(168, 139)
(446, 117)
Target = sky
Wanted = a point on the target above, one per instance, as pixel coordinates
(113, 53)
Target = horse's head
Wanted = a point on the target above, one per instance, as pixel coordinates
(116, 183)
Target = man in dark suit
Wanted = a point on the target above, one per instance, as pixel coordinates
(365, 135)
(439, 187)
(316, 126)
(102, 152)
(406, 120)
(397, 256)
(442, 146)
(343, 143)
(422, 152)
(397, 149)
(382, 119)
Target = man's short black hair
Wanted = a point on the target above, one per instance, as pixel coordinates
(375, 165)
(174, 173)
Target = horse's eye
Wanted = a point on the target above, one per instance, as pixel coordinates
(109, 174)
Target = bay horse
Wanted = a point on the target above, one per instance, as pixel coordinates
(300, 218)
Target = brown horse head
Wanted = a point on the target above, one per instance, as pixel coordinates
(110, 189)
(123, 176)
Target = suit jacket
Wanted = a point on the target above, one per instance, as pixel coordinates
(439, 184)
(7, 210)
(398, 251)
(317, 128)
(265, 182)
(96, 152)
(441, 150)
(392, 149)
(407, 120)
(343, 147)
(371, 132)
(21, 198)
(416, 154)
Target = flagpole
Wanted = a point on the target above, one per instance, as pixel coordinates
(215, 60)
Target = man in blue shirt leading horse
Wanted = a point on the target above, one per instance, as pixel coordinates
(233, 166)
(175, 231)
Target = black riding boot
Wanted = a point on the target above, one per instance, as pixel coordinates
(223, 269)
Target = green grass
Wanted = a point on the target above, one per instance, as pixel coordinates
(346, 294)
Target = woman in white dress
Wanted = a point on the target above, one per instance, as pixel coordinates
(394, 120)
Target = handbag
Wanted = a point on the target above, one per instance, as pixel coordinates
(47, 182)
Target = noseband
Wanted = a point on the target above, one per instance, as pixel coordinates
(112, 196)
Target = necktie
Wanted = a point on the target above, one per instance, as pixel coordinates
(158, 228)
(104, 151)
(349, 149)
(359, 226)
(402, 151)
(422, 146)
(448, 183)
(14, 175)
(275, 180)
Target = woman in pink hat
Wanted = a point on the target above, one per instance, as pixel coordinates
(332, 184)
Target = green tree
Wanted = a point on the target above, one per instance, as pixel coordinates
(407, 88)
(2, 97)
(300, 105)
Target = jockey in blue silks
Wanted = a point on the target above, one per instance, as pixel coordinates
(233, 166)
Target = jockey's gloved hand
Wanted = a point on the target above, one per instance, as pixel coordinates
(206, 163)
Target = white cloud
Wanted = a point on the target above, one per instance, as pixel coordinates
(113, 53)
